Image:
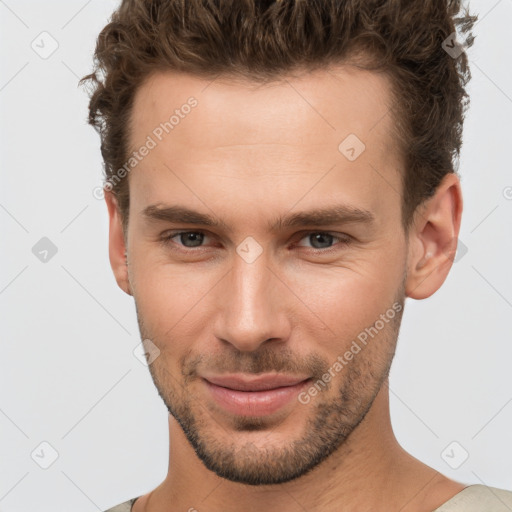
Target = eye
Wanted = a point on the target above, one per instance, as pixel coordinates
(324, 240)
(316, 240)
(188, 239)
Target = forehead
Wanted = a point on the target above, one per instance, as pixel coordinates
(292, 129)
(331, 101)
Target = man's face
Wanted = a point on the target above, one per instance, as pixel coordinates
(267, 290)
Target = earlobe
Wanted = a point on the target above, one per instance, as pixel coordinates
(433, 239)
(117, 244)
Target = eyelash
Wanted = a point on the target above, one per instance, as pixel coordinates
(343, 240)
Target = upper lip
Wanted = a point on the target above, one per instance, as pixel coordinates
(242, 382)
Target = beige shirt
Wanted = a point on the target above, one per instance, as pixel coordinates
(474, 498)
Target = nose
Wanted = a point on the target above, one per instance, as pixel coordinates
(252, 306)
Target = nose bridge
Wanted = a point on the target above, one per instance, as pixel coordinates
(250, 311)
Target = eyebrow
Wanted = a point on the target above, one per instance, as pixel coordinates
(180, 215)
(339, 214)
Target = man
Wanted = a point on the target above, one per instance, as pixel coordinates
(280, 178)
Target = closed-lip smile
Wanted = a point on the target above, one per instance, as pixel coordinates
(253, 395)
(241, 382)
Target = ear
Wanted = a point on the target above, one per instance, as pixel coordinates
(116, 243)
(433, 239)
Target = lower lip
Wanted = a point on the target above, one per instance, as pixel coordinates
(254, 403)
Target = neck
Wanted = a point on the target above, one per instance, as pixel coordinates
(368, 469)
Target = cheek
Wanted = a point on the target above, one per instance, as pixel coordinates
(346, 301)
(169, 297)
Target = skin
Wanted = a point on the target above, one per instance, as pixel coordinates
(246, 155)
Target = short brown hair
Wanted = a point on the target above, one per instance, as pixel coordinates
(262, 40)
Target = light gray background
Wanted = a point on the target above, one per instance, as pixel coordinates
(68, 375)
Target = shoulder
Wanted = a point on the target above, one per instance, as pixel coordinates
(479, 498)
(123, 507)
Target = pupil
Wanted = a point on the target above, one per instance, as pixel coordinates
(195, 239)
(321, 240)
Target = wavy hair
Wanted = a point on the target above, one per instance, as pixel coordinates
(263, 40)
